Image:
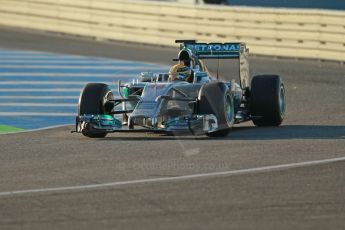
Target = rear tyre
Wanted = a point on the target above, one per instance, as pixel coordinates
(267, 100)
(91, 101)
(216, 98)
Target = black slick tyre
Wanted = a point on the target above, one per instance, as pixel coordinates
(216, 98)
(91, 101)
(267, 100)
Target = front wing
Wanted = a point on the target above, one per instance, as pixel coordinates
(196, 124)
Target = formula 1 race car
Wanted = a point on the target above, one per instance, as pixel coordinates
(203, 105)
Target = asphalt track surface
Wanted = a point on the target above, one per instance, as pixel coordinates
(70, 170)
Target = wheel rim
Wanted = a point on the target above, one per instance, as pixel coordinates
(229, 112)
(108, 96)
(282, 101)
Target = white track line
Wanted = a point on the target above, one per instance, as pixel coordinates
(56, 104)
(38, 56)
(67, 62)
(82, 67)
(46, 57)
(172, 179)
(29, 114)
(10, 55)
(42, 90)
(48, 82)
(72, 59)
(85, 75)
(39, 97)
(11, 52)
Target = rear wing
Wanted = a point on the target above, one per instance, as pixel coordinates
(231, 50)
(214, 50)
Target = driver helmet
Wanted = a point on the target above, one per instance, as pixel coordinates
(185, 57)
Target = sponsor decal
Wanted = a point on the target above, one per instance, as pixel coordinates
(214, 47)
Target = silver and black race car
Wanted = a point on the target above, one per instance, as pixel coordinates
(203, 105)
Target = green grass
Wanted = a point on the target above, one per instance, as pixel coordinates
(9, 129)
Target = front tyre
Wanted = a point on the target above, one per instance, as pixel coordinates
(267, 100)
(216, 98)
(92, 101)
